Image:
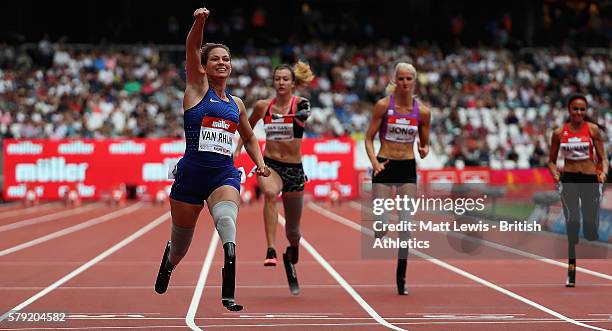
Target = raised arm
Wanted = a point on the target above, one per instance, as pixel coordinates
(197, 84)
(375, 121)
(555, 142)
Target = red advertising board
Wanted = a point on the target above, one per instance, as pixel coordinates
(486, 176)
(94, 167)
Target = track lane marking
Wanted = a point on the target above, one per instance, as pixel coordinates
(74, 228)
(345, 285)
(342, 220)
(89, 264)
(197, 294)
(47, 218)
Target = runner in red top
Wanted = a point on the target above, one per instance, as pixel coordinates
(284, 118)
(582, 174)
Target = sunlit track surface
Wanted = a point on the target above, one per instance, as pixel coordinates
(106, 272)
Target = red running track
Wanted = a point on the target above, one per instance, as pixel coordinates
(98, 266)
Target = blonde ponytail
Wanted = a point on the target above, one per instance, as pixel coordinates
(303, 74)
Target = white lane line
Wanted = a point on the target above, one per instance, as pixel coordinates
(517, 251)
(89, 264)
(347, 287)
(28, 210)
(46, 218)
(197, 294)
(294, 325)
(268, 287)
(74, 228)
(355, 226)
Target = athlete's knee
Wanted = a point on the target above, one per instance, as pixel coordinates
(270, 195)
(179, 243)
(293, 204)
(293, 235)
(224, 214)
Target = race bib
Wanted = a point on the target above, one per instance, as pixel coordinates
(279, 129)
(401, 129)
(216, 135)
(576, 148)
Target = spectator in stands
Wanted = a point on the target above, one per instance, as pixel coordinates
(480, 86)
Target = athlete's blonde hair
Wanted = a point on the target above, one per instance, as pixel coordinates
(400, 66)
(301, 73)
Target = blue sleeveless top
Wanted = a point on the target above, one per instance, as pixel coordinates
(216, 121)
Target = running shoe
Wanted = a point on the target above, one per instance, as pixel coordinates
(270, 260)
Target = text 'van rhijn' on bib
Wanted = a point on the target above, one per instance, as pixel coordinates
(216, 135)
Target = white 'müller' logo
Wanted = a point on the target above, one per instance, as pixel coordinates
(54, 169)
(26, 147)
(220, 124)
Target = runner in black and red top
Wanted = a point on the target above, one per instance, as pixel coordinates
(399, 119)
(284, 119)
(586, 166)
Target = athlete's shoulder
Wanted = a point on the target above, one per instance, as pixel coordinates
(238, 102)
(263, 102)
(383, 102)
(594, 129)
(592, 126)
(424, 107)
(261, 105)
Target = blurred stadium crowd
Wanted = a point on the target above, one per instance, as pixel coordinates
(491, 106)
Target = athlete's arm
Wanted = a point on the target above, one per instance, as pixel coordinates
(303, 111)
(197, 84)
(250, 141)
(425, 114)
(257, 114)
(375, 122)
(602, 159)
(554, 153)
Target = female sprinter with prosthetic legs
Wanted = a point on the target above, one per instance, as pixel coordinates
(582, 175)
(206, 172)
(398, 119)
(284, 119)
